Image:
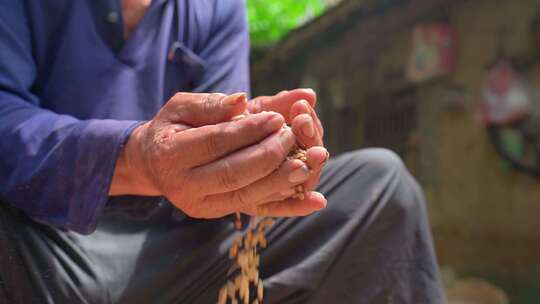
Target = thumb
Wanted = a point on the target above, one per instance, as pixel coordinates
(200, 109)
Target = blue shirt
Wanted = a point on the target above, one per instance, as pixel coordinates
(72, 90)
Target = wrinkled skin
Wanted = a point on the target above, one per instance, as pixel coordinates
(209, 166)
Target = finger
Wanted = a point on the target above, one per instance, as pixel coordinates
(276, 197)
(282, 102)
(318, 124)
(243, 167)
(209, 143)
(303, 107)
(281, 181)
(304, 129)
(313, 201)
(317, 157)
(300, 107)
(312, 183)
(198, 109)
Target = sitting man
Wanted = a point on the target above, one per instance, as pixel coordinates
(117, 189)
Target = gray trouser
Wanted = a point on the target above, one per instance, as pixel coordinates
(370, 245)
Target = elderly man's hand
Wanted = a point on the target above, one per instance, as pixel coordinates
(209, 166)
(297, 106)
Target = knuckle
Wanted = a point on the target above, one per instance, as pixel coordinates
(208, 104)
(228, 178)
(217, 97)
(213, 141)
(177, 98)
(212, 100)
(159, 148)
(205, 102)
(175, 107)
(178, 95)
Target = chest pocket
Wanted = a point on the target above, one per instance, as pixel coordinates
(187, 68)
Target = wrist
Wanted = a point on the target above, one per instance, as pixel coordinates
(130, 174)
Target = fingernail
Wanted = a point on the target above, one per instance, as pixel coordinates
(234, 99)
(326, 158)
(275, 122)
(324, 202)
(299, 175)
(309, 90)
(238, 117)
(307, 128)
(306, 105)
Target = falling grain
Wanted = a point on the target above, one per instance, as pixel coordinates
(244, 250)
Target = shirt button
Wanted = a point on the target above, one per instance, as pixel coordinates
(112, 17)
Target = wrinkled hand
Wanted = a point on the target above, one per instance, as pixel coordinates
(297, 106)
(209, 166)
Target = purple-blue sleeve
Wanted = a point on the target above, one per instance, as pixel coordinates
(55, 168)
(226, 54)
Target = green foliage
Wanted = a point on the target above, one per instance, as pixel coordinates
(270, 20)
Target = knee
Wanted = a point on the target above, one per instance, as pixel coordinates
(392, 184)
(377, 161)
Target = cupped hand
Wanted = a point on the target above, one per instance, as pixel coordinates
(209, 166)
(297, 106)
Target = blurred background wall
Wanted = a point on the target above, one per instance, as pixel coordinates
(485, 216)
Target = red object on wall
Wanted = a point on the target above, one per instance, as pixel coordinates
(433, 51)
(506, 98)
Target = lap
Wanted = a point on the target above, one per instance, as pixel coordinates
(374, 208)
(372, 243)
